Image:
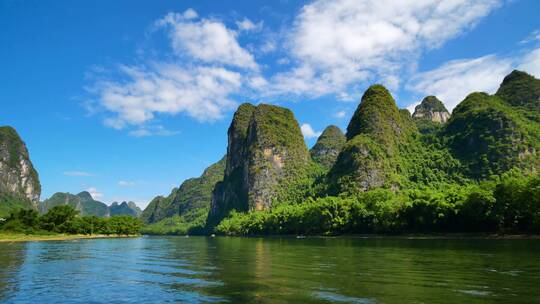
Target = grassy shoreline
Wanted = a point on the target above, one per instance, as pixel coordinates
(21, 237)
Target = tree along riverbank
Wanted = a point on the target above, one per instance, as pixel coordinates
(65, 220)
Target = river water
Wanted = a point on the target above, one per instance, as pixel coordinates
(270, 270)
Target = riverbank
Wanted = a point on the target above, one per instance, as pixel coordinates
(427, 236)
(451, 236)
(20, 237)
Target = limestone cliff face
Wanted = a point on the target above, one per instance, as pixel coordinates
(328, 145)
(237, 134)
(431, 108)
(231, 193)
(275, 152)
(18, 178)
(263, 154)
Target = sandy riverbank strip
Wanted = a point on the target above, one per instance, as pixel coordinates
(19, 237)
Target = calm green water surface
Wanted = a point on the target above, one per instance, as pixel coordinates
(270, 270)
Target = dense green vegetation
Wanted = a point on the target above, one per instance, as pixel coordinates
(10, 203)
(510, 204)
(490, 137)
(191, 223)
(521, 89)
(475, 173)
(186, 208)
(65, 219)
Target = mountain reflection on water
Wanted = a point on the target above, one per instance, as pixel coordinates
(270, 270)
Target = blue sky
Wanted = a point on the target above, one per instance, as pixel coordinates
(127, 99)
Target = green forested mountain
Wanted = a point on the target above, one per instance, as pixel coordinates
(490, 136)
(474, 170)
(328, 146)
(187, 206)
(267, 162)
(82, 202)
(19, 182)
(520, 89)
(270, 161)
(371, 157)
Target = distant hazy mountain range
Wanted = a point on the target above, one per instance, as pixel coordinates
(86, 205)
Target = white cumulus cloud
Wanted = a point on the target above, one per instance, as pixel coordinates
(210, 67)
(308, 131)
(200, 92)
(341, 42)
(531, 62)
(248, 26)
(206, 40)
(454, 80)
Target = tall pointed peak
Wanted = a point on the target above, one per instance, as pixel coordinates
(379, 117)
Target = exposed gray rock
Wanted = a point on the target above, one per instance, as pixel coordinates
(265, 149)
(431, 108)
(18, 178)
